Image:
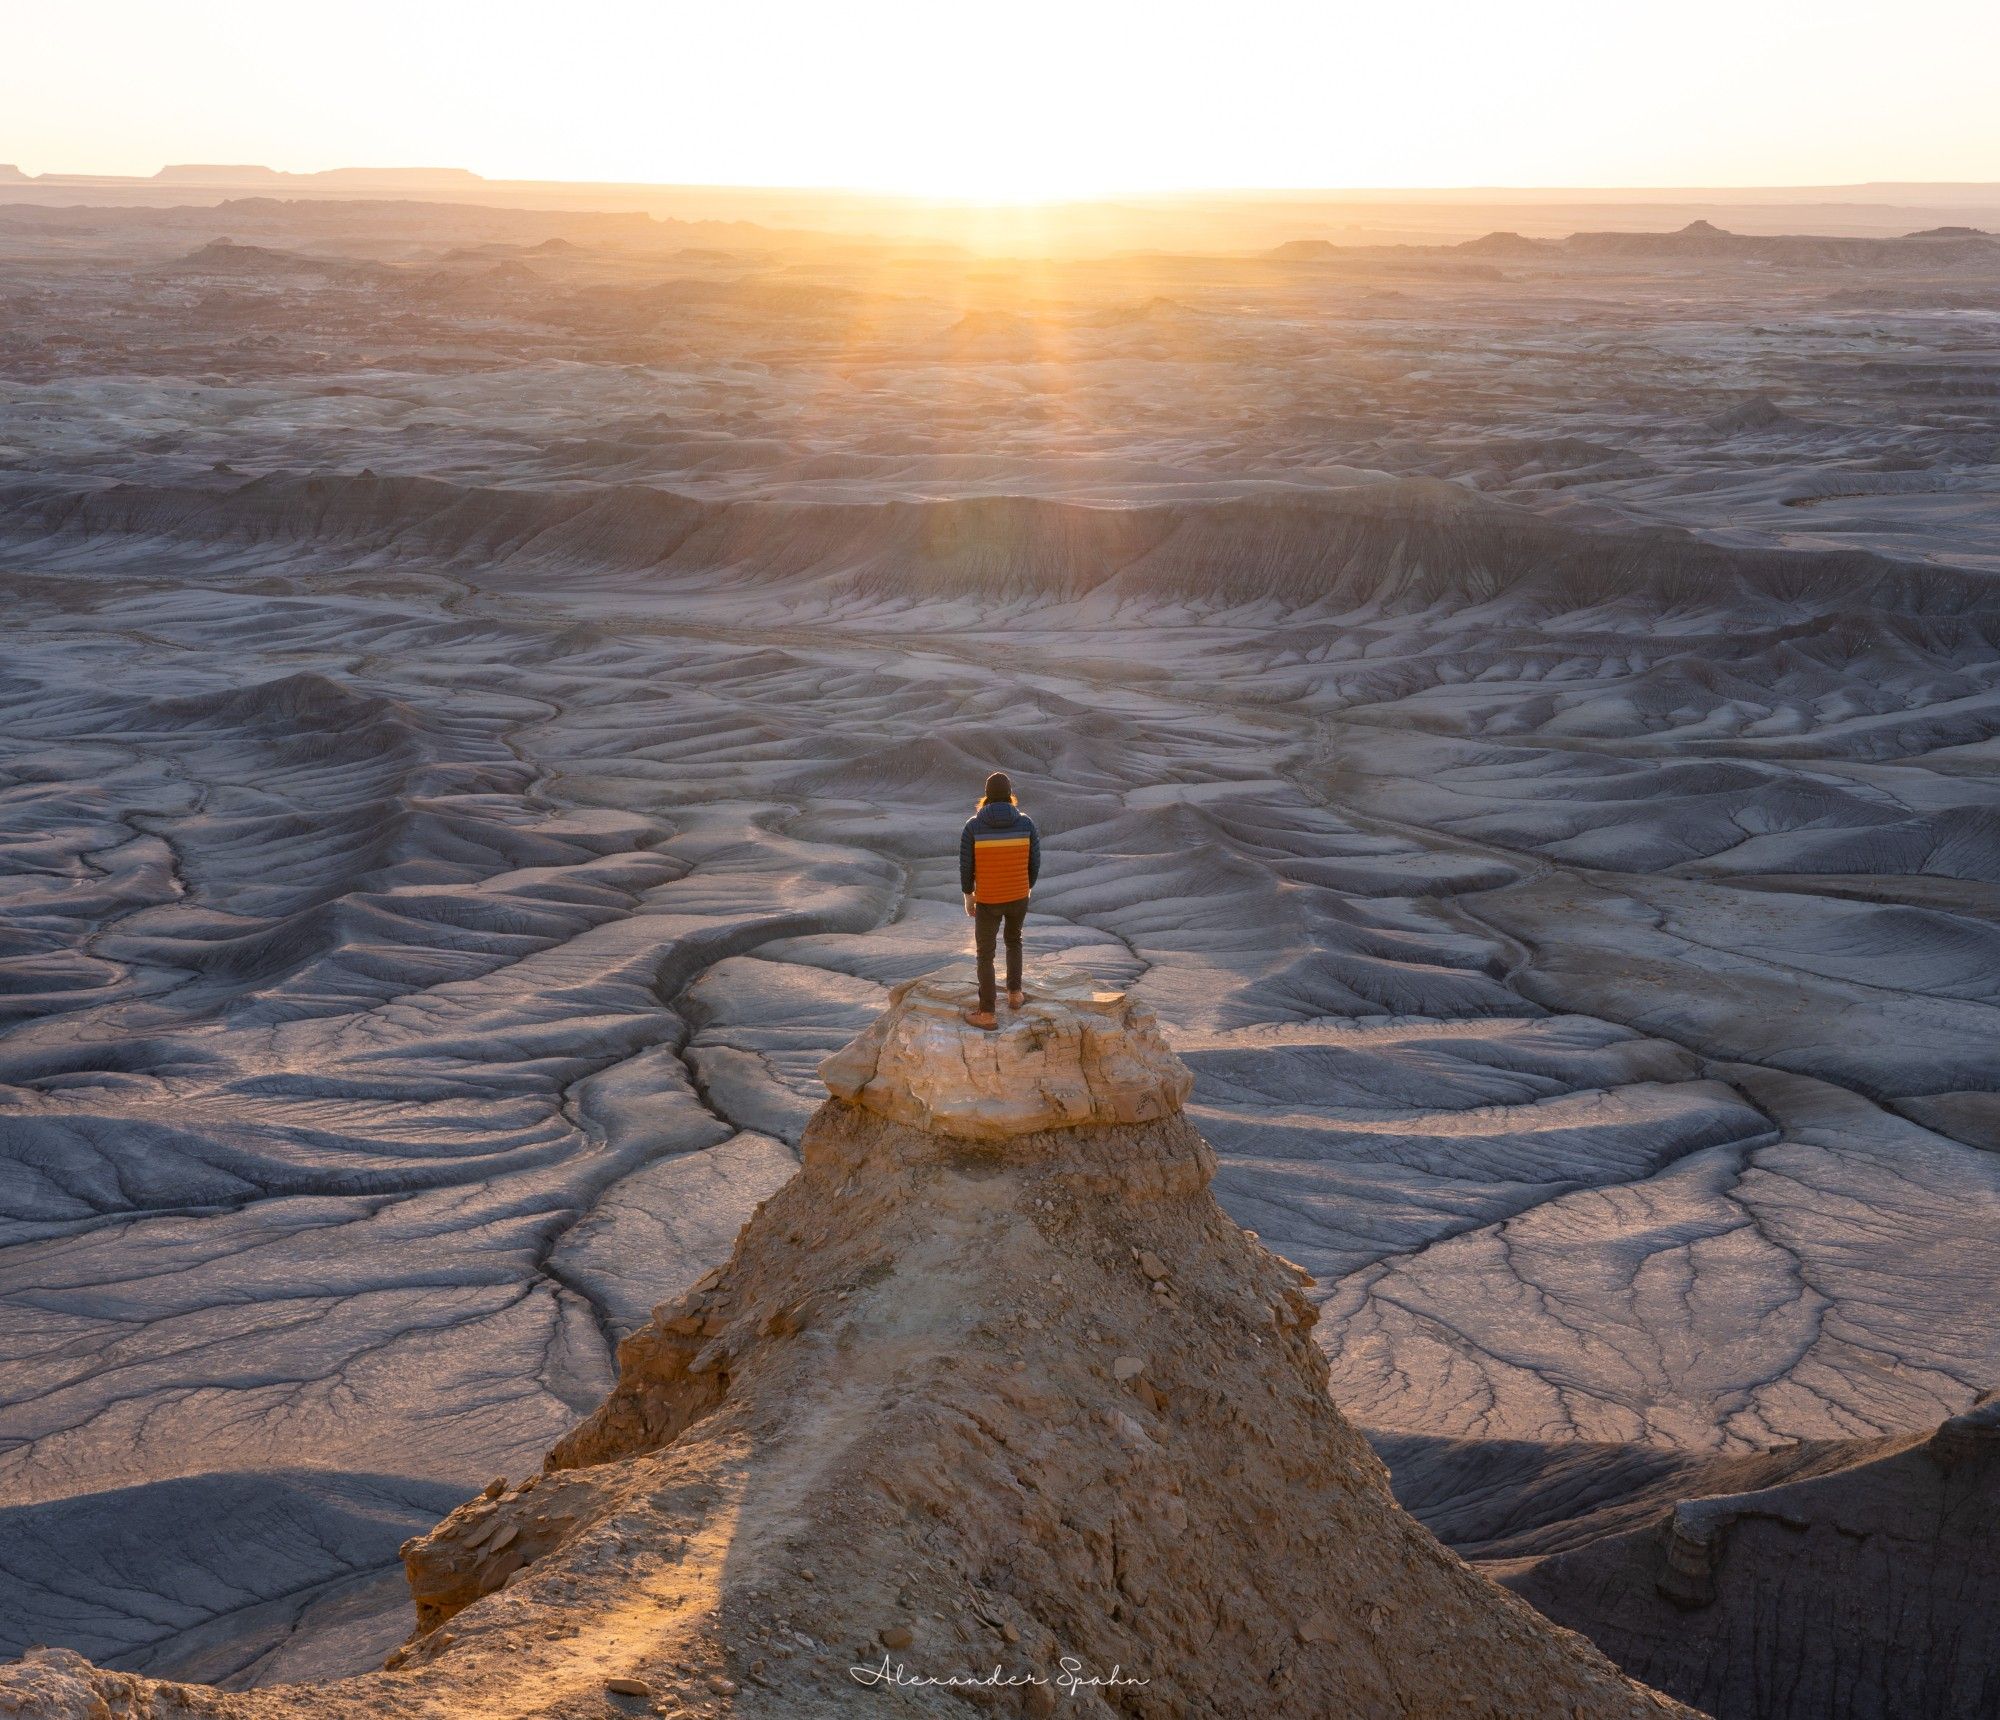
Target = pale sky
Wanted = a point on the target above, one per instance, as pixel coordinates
(1017, 98)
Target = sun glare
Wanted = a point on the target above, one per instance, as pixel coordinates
(998, 181)
(1044, 102)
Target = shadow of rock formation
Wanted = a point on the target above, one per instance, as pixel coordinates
(1866, 1593)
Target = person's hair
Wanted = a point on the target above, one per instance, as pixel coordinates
(999, 786)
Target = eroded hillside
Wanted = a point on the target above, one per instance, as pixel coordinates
(475, 740)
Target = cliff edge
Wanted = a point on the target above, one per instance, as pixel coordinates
(1000, 1411)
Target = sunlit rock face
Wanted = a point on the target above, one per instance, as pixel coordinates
(1075, 1053)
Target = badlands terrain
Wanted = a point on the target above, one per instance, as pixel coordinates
(488, 701)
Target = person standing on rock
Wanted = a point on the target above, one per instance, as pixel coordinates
(999, 858)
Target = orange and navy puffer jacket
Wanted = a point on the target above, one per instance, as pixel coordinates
(999, 853)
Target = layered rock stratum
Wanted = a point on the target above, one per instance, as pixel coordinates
(1075, 1053)
(1004, 1415)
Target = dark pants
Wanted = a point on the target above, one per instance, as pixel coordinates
(987, 920)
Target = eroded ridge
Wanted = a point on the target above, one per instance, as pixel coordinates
(948, 1410)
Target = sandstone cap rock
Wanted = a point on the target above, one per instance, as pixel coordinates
(1079, 1053)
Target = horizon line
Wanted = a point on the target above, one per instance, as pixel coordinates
(971, 200)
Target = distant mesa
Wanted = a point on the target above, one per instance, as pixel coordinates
(197, 173)
(1703, 243)
(1696, 235)
(11, 175)
(1304, 250)
(251, 173)
(1506, 245)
